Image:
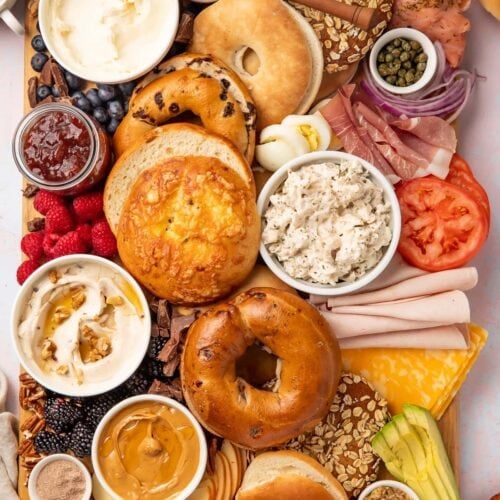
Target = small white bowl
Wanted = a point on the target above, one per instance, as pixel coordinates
(52, 458)
(275, 182)
(392, 484)
(409, 34)
(150, 58)
(200, 470)
(114, 379)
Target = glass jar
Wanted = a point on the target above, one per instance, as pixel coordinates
(59, 148)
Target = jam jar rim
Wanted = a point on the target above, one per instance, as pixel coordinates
(29, 119)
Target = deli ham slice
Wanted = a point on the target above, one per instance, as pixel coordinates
(400, 148)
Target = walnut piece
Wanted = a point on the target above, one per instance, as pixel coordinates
(115, 300)
(78, 299)
(54, 276)
(48, 349)
(98, 346)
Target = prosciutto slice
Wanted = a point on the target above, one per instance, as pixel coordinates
(400, 148)
(440, 20)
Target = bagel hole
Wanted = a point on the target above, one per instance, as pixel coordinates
(250, 61)
(186, 117)
(257, 367)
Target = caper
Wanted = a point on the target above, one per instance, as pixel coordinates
(396, 53)
(418, 75)
(415, 45)
(391, 79)
(421, 67)
(404, 56)
(413, 53)
(396, 42)
(389, 48)
(410, 76)
(393, 68)
(380, 57)
(383, 70)
(402, 72)
(421, 58)
(388, 58)
(401, 82)
(405, 46)
(407, 65)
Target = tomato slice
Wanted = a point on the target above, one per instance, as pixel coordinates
(461, 175)
(443, 226)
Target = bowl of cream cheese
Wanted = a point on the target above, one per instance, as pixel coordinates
(330, 223)
(81, 325)
(108, 41)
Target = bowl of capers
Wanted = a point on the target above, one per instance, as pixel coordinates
(403, 60)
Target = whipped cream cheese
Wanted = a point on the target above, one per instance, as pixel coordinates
(82, 324)
(110, 39)
(328, 223)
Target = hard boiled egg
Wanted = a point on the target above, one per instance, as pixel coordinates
(314, 128)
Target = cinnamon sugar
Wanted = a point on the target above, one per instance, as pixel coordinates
(60, 480)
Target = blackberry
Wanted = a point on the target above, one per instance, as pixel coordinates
(61, 415)
(154, 369)
(48, 443)
(98, 406)
(137, 384)
(156, 344)
(80, 440)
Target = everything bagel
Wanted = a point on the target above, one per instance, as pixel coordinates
(174, 93)
(308, 368)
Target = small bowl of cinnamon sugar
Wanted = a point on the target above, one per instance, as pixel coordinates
(61, 474)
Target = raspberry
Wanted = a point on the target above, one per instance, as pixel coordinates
(49, 242)
(103, 240)
(68, 244)
(25, 269)
(85, 233)
(32, 245)
(45, 200)
(59, 220)
(88, 207)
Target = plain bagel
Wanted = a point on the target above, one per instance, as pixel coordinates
(308, 368)
(288, 61)
(179, 91)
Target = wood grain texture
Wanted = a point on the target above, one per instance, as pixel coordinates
(448, 423)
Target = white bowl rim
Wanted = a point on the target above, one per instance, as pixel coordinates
(52, 458)
(169, 33)
(200, 470)
(16, 316)
(388, 482)
(275, 181)
(412, 34)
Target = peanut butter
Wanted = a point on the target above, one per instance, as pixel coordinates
(149, 451)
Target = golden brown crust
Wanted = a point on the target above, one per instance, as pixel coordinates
(189, 230)
(269, 29)
(230, 407)
(183, 90)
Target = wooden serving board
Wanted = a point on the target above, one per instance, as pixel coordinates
(448, 423)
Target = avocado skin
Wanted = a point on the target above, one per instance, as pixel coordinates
(413, 451)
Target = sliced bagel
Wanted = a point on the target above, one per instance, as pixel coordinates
(215, 68)
(174, 140)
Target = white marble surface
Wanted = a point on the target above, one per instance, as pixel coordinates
(479, 144)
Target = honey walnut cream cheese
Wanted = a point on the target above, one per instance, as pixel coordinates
(81, 324)
(329, 222)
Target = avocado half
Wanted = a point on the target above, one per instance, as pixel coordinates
(413, 451)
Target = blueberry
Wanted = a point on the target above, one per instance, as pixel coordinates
(74, 82)
(77, 94)
(42, 92)
(55, 91)
(127, 88)
(84, 104)
(106, 92)
(112, 125)
(38, 44)
(115, 110)
(38, 61)
(93, 97)
(100, 114)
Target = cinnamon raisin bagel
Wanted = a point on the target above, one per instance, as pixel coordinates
(179, 91)
(308, 368)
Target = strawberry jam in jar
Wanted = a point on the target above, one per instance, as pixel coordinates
(59, 148)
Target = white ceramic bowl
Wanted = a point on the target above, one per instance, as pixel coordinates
(200, 470)
(149, 60)
(409, 34)
(52, 458)
(128, 366)
(391, 483)
(275, 182)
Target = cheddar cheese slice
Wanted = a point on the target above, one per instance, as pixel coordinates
(428, 378)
